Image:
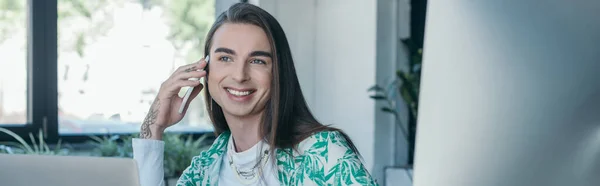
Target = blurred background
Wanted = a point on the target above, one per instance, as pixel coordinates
(112, 57)
(93, 70)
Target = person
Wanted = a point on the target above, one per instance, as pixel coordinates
(266, 134)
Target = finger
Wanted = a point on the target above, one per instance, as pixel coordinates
(202, 64)
(199, 65)
(189, 75)
(187, 68)
(174, 87)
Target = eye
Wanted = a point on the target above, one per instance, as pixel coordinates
(225, 58)
(258, 61)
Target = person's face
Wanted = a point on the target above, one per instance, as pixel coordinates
(240, 69)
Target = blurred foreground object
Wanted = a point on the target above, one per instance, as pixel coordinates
(510, 94)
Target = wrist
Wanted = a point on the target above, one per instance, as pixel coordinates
(151, 131)
(157, 132)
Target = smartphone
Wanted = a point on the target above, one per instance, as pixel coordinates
(186, 97)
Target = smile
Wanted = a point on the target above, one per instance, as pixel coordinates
(239, 92)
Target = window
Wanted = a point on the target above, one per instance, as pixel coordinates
(96, 68)
(114, 54)
(13, 62)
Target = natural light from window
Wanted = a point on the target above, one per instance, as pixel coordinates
(13, 62)
(113, 56)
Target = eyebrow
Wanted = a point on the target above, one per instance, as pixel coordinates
(261, 53)
(225, 50)
(255, 53)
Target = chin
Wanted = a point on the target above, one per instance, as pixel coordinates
(239, 112)
(242, 110)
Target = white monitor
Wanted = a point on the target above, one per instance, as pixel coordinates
(510, 94)
(26, 170)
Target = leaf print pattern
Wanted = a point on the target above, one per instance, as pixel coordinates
(328, 160)
(285, 164)
(323, 159)
(196, 173)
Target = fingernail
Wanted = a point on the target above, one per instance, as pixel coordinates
(207, 58)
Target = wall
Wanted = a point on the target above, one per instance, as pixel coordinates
(222, 5)
(334, 48)
(393, 24)
(385, 128)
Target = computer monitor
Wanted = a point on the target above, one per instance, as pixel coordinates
(510, 94)
(26, 170)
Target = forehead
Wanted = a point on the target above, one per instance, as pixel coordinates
(241, 37)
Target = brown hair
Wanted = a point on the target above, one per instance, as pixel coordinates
(287, 119)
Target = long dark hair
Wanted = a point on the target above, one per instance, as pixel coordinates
(287, 120)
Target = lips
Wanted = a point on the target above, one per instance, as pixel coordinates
(238, 94)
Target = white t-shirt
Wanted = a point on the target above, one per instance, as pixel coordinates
(245, 161)
(150, 156)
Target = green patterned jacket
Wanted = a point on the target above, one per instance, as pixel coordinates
(326, 159)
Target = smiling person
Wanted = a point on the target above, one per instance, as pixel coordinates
(266, 133)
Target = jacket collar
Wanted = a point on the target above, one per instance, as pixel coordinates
(211, 159)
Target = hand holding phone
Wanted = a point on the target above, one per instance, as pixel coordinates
(164, 111)
(189, 91)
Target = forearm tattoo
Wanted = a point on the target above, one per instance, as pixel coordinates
(150, 120)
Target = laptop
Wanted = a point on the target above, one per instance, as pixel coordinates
(510, 94)
(26, 170)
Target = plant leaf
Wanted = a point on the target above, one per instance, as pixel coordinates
(402, 75)
(34, 143)
(407, 42)
(404, 92)
(416, 68)
(378, 97)
(13, 144)
(114, 137)
(408, 89)
(375, 88)
(57, 147)
(386, 109)
(43, 143)
(96, 138)
(409, 45)
(391, 93)
(26, 147)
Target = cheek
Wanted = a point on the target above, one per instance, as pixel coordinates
(265, 80)
(213, 85)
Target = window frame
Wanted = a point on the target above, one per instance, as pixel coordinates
(41, 73)
(42, 81)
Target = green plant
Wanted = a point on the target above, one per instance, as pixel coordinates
(112, 146)
(407, 84)
(179, 151)
(39, 147)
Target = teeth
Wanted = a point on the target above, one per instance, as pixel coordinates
(238, 93)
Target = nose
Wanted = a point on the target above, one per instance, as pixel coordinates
(240, 72)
